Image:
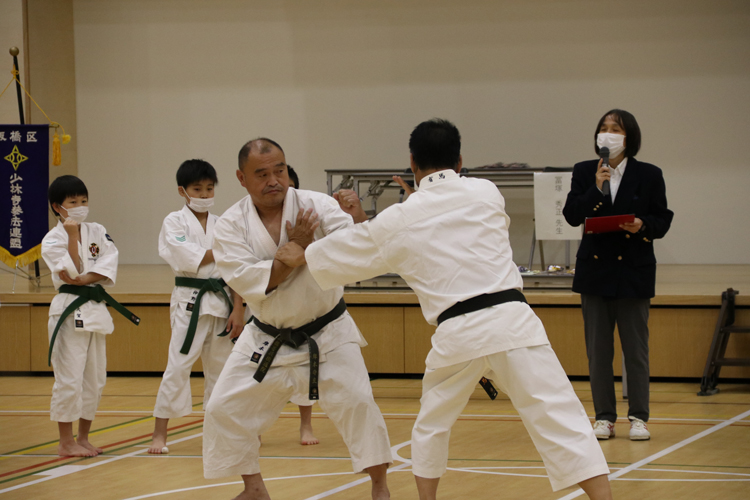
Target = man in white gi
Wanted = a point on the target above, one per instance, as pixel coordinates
(449, 241)
(205, 313)
(289, 307)
(82, 259)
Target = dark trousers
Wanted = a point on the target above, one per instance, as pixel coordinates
(631, 316)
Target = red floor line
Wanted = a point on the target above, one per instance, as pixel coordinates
(102, 447)
(46, 415)
(35, 466)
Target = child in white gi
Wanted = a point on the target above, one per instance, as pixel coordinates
(205, 313)
(78, 254)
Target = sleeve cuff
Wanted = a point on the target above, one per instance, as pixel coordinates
(197, 265)
(252, 284)
(316, 265)
(68, 265)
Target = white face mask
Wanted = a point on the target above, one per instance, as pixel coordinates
(200, 205)
(615, 143)
(77, 214)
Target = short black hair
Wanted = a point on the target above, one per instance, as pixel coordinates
(629, 124)
(63, 188)
(192, 171)
(264, 147)
(293, 176)
(434, 144)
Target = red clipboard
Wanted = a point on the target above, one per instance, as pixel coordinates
(609, 224)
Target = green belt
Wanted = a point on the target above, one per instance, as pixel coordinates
(85, 294)
(208, 285)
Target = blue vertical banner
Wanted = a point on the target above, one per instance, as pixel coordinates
(24, 179)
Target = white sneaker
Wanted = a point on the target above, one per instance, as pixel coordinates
(604, 429)
(638, 430)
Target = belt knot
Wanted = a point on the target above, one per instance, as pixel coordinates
(97, 293)
(286, 336)
(214, 285)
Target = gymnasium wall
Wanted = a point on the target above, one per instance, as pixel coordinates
(340, 84)
(11, 35)
(50, 54)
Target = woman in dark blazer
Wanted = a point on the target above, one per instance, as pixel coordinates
(616, 272)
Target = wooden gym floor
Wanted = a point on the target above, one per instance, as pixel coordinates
(700, 449)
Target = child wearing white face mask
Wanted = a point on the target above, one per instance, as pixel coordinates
(206, 315)
(82, 258)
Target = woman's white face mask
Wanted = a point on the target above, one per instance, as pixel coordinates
(77, 214)
(615, 143)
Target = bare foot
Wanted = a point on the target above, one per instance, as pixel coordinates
(85, 443)
(74, 449)
(158, 444)
(159, 438)
(306, 436)
(254, 489)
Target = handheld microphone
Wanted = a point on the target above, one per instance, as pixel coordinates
(604, 154)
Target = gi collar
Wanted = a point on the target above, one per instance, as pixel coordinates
(437, 178)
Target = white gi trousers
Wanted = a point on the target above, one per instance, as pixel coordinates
(541, 393)
(175, 399)
(241, 409)
(301, 399)
(79, 362)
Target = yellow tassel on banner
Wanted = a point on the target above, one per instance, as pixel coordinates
(56, 154)
(24, 259)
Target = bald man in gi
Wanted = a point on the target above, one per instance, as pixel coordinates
(302, 339)
(449, 241)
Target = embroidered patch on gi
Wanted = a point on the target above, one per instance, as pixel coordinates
(190, 306)
(94, 249)
(109, 238)
(79, 323)
(255, 357)
(181, 239)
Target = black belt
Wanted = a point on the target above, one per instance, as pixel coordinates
(295, 337)
(475, 304)
(488, 387)
(481, 302)
(85, 294)
(207, 285)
